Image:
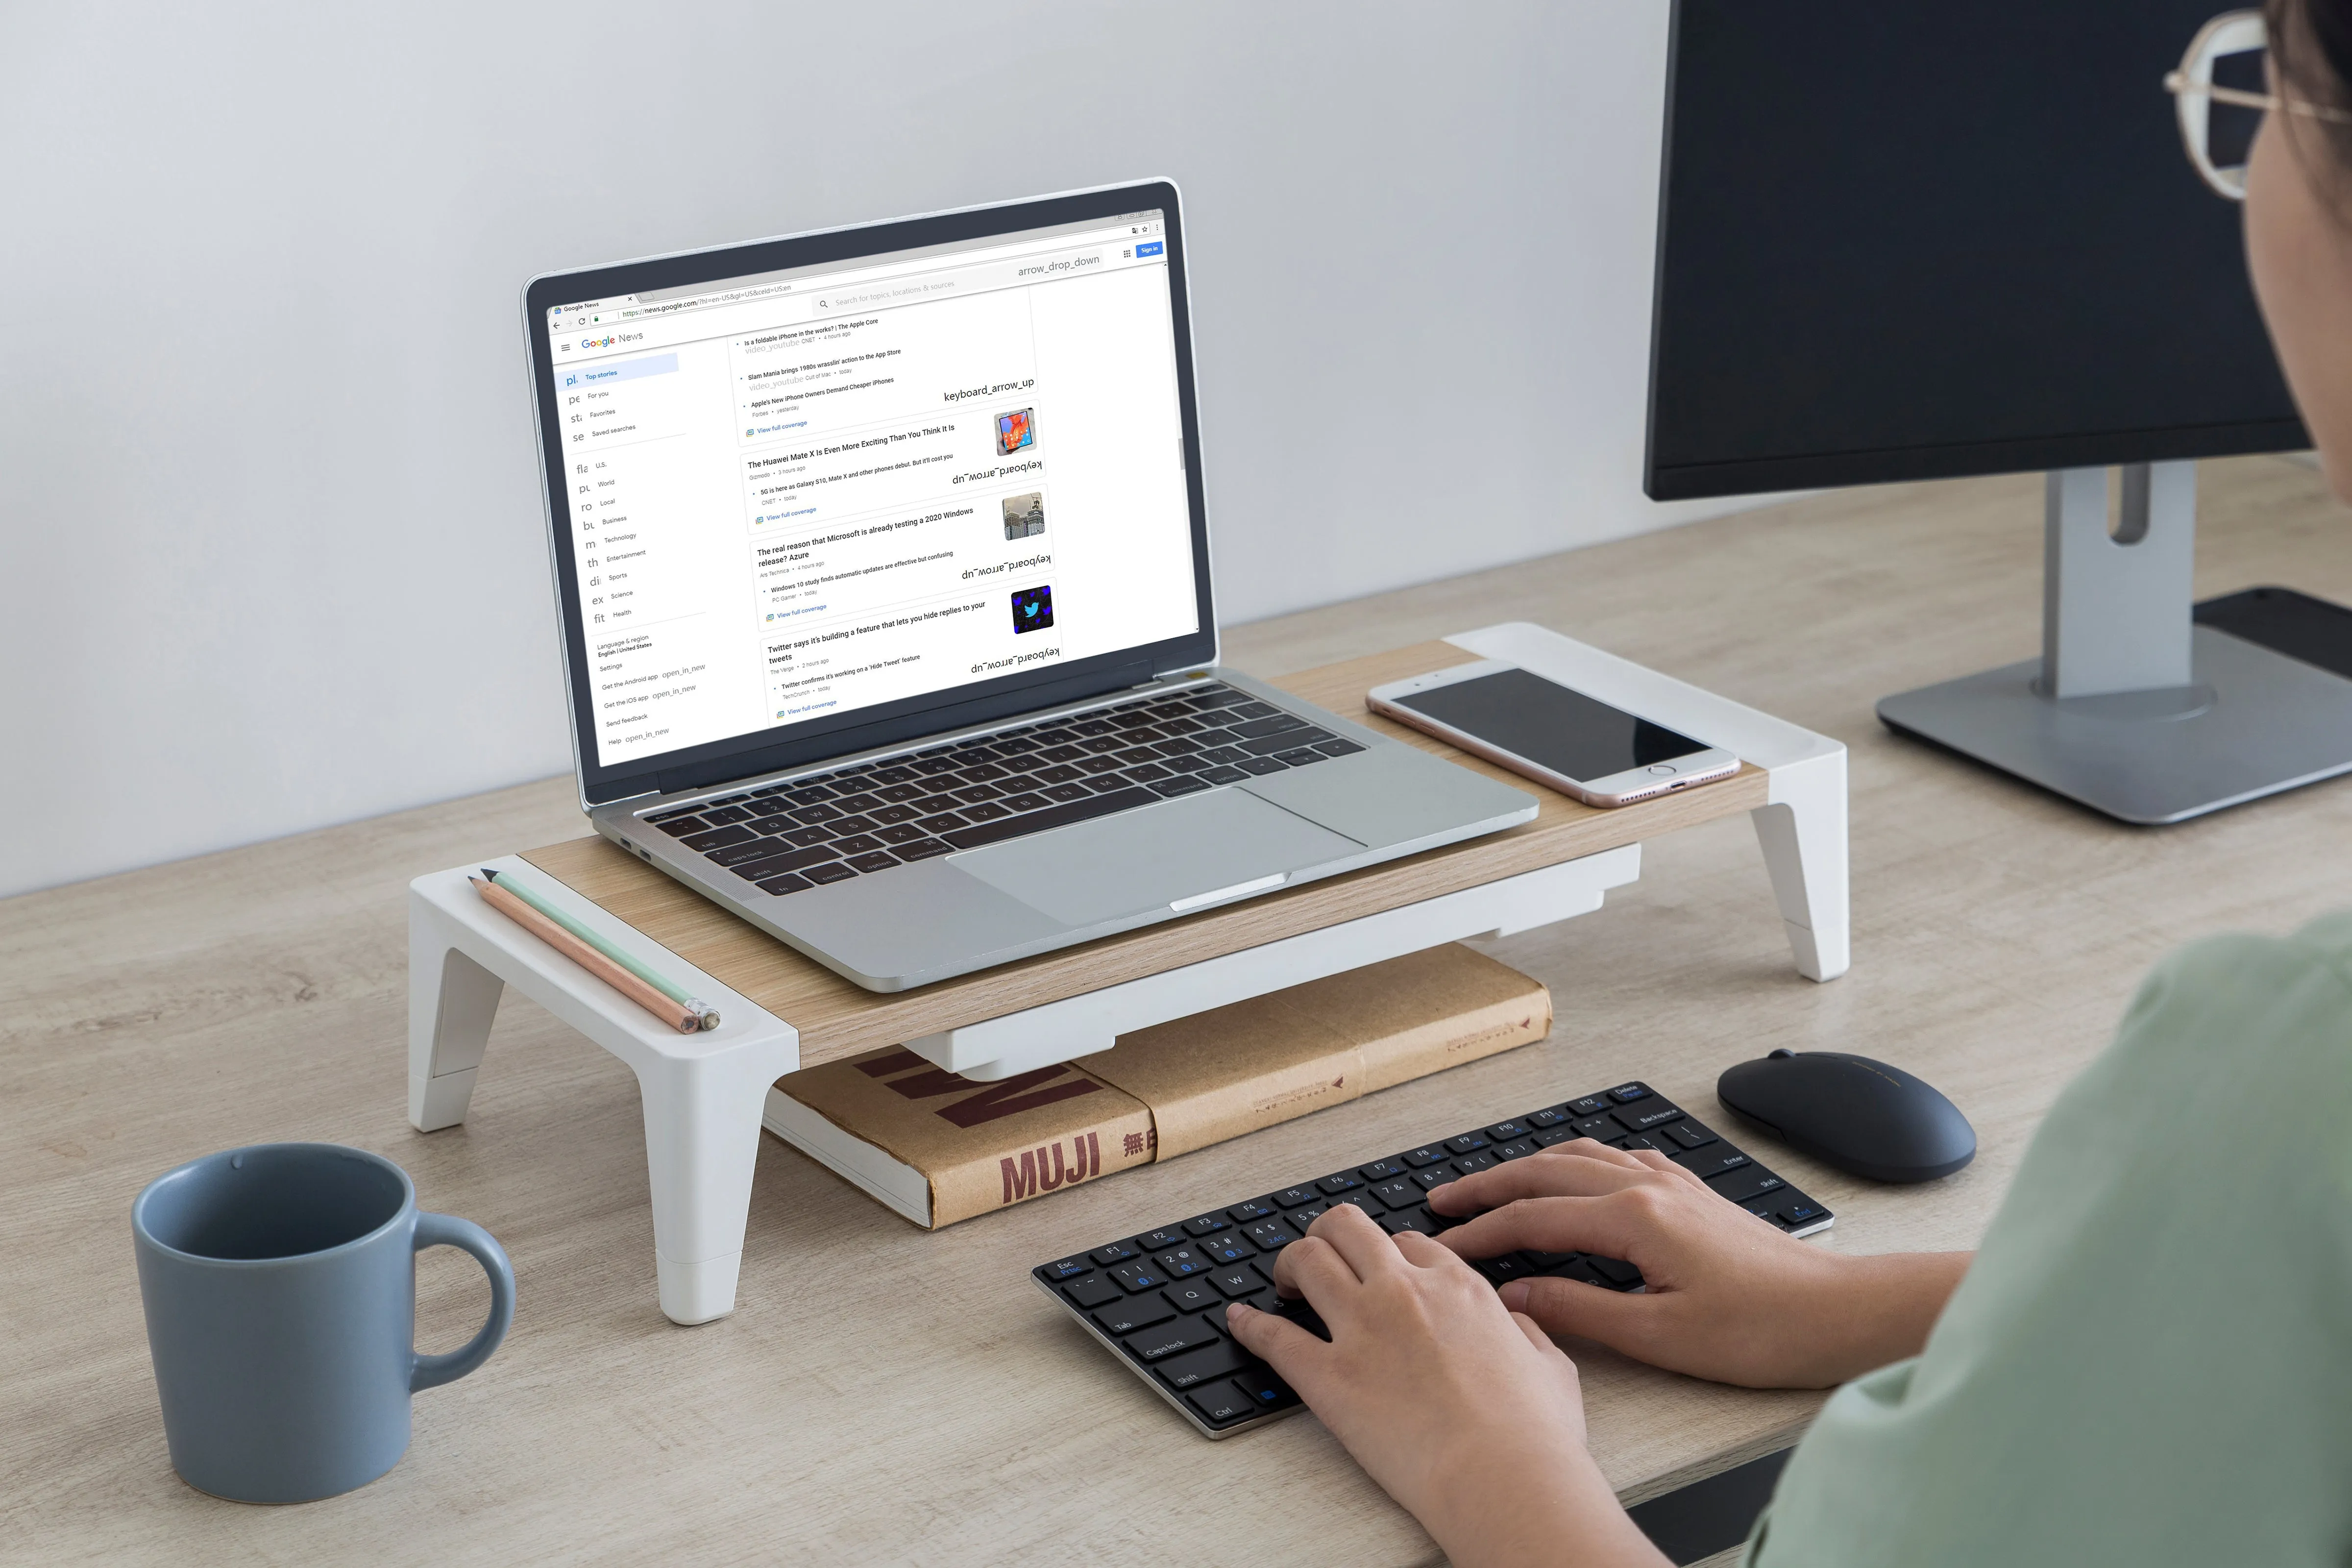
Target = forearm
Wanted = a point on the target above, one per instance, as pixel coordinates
(1871, 1311)
(1502, 1512)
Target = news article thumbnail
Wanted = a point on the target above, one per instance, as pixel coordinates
(1015, 430)
(1033, 609)
(1025, 515)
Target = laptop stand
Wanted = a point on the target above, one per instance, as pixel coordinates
(703, 1094)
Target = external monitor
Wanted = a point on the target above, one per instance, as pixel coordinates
(1913, 242)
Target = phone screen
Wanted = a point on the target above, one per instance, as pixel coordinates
(1549, 725)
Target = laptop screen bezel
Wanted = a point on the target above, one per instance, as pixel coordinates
(784, 746)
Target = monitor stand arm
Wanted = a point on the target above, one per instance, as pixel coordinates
(2132, 709)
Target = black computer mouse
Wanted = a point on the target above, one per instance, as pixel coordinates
(1849, 1111)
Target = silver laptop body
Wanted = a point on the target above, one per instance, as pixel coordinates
(882, 565)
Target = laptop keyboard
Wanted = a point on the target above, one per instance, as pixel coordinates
(1158, 1300)
(865, 819)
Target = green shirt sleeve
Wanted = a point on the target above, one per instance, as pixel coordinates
(2150, 1360)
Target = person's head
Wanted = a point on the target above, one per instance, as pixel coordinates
(2299, 221)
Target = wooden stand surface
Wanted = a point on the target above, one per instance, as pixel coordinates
(836, 1017)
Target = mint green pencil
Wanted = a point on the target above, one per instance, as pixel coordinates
(644, 971)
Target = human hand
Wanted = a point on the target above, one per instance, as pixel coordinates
(1726, 1296)
(1463, 1411)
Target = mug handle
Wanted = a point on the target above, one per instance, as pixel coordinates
(448, 1230)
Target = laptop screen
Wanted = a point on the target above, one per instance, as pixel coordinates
(805, 494)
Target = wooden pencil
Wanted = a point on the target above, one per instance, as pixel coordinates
(675, 1014)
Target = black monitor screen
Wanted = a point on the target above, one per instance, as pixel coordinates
(1915, 241)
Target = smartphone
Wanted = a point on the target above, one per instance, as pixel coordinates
(1575, 744)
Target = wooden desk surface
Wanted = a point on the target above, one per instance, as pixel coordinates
(836, 1017)
(884, 1395)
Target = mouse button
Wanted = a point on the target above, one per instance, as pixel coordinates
(1779, 1053)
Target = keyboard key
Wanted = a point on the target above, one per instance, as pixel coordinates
(831, 871)
(1466, 1143)
(922, 849)
(744, 854)
(1398, 1194)
(944, 822)
(900, 794)
(1211, 1362)
(1641, 1141)
(1094, 1291)
(787, 883)
(1291, 1197)
(1220, 1403)
(899, 833)
(1227, 1249)
(1171, 1337)
(808, 837)
(1623, 1276)
(809, 816)
(1243, 1213)
(1335, 747)
(860, 805)
(857, 844)
(1410, 1219)
(972, 794)
(1801, 1211)
(1518, 1148)
(984, 773)
(1135, 1312)
(1504, 1270)
(1271, 1235)
(1427, 1154)
(1646, 1115)
(1555, 1135)
(1287, 746)
(1603, 1127)
(1263, 1389)
(1274, 724)
(1503, 1131)
(935, 804)
(986, 811)
(1198, 1297)
(1180, 1263)
(1152, 1241)
(1435, 1177)
(1751, 1182)
(1207, 1223)
(719, 837)
(1626, 1093)
(1182, 783)
(1238, 1280)
(1226, 775)
(1712, 1162)
(678, 827)
(1471, 1164)
(1028, 799)
(1261, 767)
(1116, 1252)
(727, 813)
(1137, 1277)
(1591, 1105)
(1067, 1269)
(1690, 1134)
(1543, 1119)
(789, 860)
(1341, 1183)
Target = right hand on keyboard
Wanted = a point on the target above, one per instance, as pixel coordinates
(1727, 1296)
(1464, 1411)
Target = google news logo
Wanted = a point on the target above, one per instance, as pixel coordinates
(596, 342)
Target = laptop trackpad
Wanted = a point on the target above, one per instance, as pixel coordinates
(1152, 857)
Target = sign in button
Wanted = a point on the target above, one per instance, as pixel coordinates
(1150, 248)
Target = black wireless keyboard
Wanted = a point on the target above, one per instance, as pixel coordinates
(1158, 1300)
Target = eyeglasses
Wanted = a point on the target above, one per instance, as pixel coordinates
(2219, 87)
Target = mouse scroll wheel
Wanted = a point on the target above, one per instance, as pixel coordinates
(1780, 1054)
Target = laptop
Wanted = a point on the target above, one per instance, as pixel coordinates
(882, 561)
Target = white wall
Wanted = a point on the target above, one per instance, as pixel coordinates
(270, 542)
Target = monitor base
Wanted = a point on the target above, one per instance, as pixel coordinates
(2252, 722)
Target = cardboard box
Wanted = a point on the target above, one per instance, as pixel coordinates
(939, 1148)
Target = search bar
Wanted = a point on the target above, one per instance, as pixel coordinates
(915, 290)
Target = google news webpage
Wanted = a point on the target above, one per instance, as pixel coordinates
(803, 493)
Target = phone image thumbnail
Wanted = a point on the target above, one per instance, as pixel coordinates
(1014, 431)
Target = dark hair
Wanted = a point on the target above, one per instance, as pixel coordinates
(2311, 48)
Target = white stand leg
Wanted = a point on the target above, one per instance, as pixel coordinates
(452, 1001)
(703, 1093)
(1803, 835)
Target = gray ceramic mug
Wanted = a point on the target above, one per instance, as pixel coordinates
(280, 1288)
